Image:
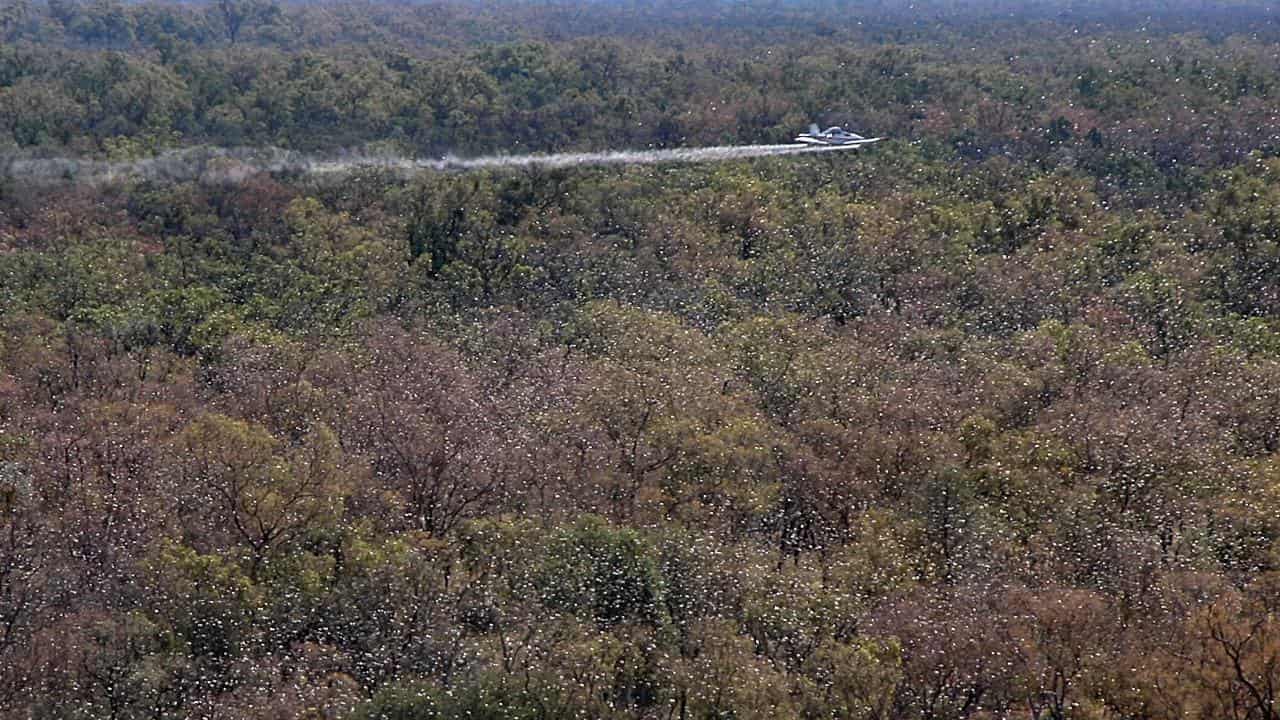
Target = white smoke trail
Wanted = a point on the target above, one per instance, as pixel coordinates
(236, 164)
(562, 160)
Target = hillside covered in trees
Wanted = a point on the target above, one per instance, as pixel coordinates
(980, 422)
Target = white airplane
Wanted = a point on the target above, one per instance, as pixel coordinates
(834, 135)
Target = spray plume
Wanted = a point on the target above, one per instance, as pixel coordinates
(235, 164)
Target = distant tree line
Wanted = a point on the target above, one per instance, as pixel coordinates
(102, 79)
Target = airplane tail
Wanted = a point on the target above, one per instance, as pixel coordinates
(813, 129)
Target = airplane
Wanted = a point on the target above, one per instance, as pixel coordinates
(834, 135)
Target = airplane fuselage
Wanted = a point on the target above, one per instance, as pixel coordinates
(818, 141)
(832, 136)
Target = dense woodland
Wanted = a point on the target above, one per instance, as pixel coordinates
(980, 422)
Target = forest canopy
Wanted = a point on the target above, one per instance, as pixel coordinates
(980, 421)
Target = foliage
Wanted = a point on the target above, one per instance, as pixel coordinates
(980, 422)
